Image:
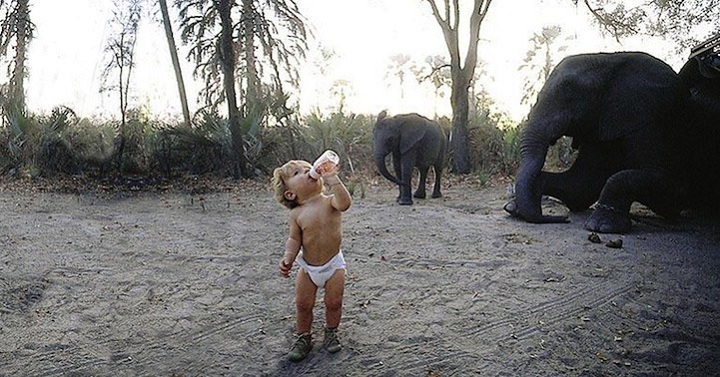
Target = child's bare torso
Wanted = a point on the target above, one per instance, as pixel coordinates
(321, 228)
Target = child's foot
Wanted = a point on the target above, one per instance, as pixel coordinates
(301, 347)
(331, 341)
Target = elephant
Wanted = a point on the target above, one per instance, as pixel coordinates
(413, 141)
(643, 133)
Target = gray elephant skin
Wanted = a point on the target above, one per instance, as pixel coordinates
(414, 141)
(643, 132)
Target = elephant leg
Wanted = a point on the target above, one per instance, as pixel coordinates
(405, 175)
(652, 187)
(436, 188)
(646, 181)
(420, 191)
(580, 186)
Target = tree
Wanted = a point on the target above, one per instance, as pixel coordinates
(273, 40)
(683, 20)
(540, 60)
(244, 52)
(538, 64)
(120, 48)
(208, 27)
(461, 71)
(340, 89)
(175, 61)
(16, 31)
(227, 63)
(329, 89)
(435, 71)
(399, 64)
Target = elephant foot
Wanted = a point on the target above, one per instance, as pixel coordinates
(538, 218)
(405, 201)
(606, 219)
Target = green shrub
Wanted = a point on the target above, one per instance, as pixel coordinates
(350, 135)
(93, 143)
(40, 145)
(16, 148)
(203, 148)
(55, 148)
(494, 143)
(59, 142)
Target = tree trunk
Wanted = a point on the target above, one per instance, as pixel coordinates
(461, 73)
(459, 142)
(252, 99)
(125, 64)
(17, 87)
(175, 61)
(227, 62)
(120, 58)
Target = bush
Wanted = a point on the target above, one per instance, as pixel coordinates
(93, 144)
(205, 147)
(494, 144)
(40, 145)
(56, 150)
(350, 135)
(61, 143)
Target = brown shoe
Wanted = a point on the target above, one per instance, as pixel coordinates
(301, 347)
(331, 341)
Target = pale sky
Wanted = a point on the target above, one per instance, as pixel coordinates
(65, 59)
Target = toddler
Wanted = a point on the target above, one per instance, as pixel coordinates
(314, 243)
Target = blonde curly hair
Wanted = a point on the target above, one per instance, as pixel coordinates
(278, 181)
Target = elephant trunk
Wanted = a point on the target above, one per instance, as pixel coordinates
(529, 182)
(528, 188)
(382, 167)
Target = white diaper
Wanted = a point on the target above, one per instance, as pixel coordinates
(320, 274)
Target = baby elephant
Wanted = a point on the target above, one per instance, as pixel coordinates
(414, 141)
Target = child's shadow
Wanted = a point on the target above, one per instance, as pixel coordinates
(318, 363)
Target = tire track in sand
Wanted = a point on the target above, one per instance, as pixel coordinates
(461, 345)
(188, 340)
(57, 369)
(145, 356)
(553, 311)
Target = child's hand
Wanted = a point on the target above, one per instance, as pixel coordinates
(331, 177)
(335, 169)
(285, 268)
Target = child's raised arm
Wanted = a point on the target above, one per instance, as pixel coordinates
(341, 199)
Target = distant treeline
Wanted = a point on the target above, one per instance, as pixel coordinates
(60, 143)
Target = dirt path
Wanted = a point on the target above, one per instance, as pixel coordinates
(172, 285)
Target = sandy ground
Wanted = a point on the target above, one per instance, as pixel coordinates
(173, 284)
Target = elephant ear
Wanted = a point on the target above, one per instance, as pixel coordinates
(624, 116)
(413, 131)
(619, 123)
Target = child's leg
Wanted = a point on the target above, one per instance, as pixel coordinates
(304, 301)
(334, 290)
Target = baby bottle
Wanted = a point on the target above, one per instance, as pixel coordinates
(325, 163)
